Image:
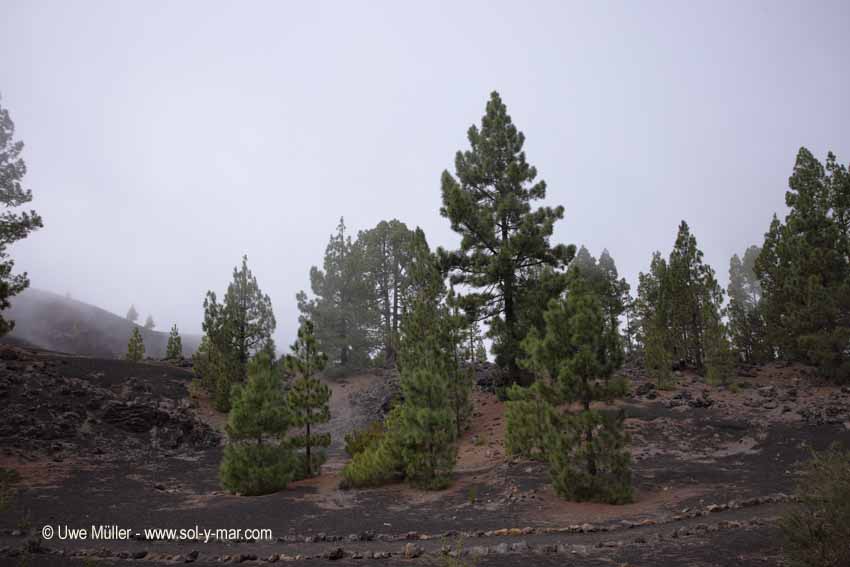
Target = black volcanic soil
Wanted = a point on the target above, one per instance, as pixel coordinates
(712, 470)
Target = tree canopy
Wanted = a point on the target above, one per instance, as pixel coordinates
(503, 239)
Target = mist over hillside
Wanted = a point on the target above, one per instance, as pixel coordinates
(55, 322)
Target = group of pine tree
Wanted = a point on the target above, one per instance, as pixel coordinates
(560, 323)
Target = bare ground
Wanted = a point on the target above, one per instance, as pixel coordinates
(712, 469)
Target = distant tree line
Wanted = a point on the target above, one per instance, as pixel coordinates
(789, 299)
(363, 291)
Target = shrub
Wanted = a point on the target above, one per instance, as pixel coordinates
(358, 441)
(818, 528)
(380, 462)
(301, 471)
(377, 465)
(252, 470)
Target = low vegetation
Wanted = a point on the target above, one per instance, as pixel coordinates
(359, 440)
(817, 529)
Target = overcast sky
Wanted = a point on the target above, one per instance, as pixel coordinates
(164, 140)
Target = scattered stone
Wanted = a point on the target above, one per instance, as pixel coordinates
(500, 549)
(767, 391)
(412, 551)
(520, 546)
(644, 389)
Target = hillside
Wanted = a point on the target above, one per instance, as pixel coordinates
(54, 322)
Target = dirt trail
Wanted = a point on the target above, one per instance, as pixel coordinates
(346, 416)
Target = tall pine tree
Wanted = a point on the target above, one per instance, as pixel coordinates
(488, 202)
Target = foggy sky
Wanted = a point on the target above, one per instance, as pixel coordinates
(164, 140)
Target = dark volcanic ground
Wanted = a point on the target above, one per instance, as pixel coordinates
(110, 442)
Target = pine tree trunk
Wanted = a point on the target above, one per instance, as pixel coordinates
(510, 324)
(591, 457)
(307, 451)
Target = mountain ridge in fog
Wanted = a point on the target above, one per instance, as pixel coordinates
(54, 322)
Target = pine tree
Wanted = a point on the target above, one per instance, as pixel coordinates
(615, 293)
(136, 346)
(174, 347)
(630, 328)
(342, 309)
(531, 417)
(216, 372)
(149, 323)
(13, 226)
(238, 328)
(678, 300)
(502, 238)
(719, 357)
(427, 425)
(387, 250)
(804, 268)
(601, 278)
(132, 314)
(587, 455)
(746, 322)
(258, 459)
(695, 297)
(657, 360)
(308, 397)
(454, 335)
